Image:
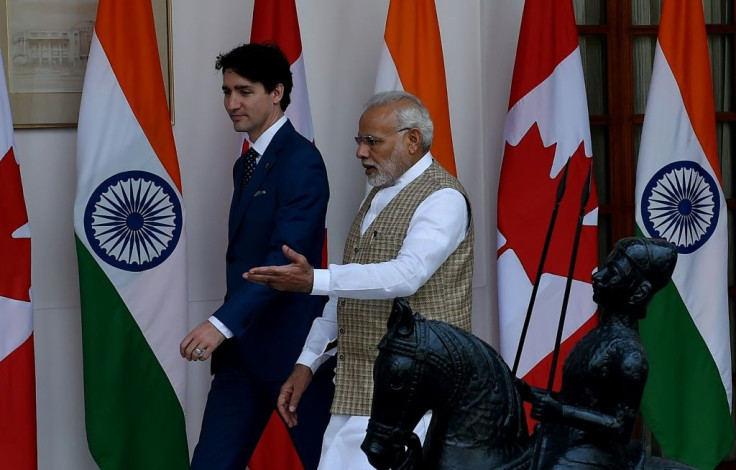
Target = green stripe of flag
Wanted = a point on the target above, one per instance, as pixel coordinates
(134, 418)
(682, 372)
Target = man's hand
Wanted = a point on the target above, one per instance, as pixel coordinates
(291, 393)
(199, 344)
(295, 277)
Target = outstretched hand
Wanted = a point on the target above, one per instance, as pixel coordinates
(298, 276)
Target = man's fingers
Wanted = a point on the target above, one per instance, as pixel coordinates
(205, 353)
(294, 400)
(195, 353)
(282, 404)
(258, 275)
(199, 344)
(184, 345)
(283, 399)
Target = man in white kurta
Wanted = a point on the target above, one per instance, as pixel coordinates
(413, 237)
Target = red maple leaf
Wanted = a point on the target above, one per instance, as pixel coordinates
(15, 253)
(526, 200)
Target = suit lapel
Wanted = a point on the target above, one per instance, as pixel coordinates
(241, 202)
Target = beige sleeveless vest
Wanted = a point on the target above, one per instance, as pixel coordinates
(446, 296)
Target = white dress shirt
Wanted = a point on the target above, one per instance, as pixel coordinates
(436, 229)
(260, 146)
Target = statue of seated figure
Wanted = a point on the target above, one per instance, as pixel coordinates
(588, 424)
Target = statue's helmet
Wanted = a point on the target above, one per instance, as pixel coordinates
(654, 258)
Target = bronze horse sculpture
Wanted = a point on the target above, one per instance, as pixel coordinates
(477, 417)
(478, 422)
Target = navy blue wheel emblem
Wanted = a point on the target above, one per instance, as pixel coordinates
(133, 220)
(681, 204)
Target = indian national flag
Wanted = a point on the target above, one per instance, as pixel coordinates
(17, 369)
(131, 251)
(411, 60)
(687, 400)
(276, 21)
(546, 129)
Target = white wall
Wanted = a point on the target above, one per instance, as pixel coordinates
(341, 41)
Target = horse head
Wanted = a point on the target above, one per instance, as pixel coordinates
(399, 374)
(477, 418)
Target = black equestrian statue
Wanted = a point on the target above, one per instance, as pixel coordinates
(478, 422)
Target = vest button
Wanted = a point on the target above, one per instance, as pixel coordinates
(341, 357)
(356, 249)
(342, 331)
(342, 303)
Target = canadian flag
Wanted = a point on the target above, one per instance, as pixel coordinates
(276, 21)
(411, 60)
(546, 129)
(17, 369)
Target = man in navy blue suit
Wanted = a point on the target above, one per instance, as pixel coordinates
(280, 198)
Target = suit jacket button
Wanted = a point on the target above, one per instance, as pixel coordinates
(341, 357)
(342, 331)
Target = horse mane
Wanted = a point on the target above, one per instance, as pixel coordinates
(446, 347)
(476, 410)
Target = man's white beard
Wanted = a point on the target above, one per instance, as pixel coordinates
(389, 171)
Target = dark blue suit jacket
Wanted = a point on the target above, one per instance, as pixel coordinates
(284, 203)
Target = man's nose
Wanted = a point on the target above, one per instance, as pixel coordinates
(231, 102)
(362, 151)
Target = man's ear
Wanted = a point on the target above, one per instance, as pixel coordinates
(641, 294)
(415, 140)
(278, 93)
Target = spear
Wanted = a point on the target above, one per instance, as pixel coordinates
(540, 443)
(560, 192)
(563, 313)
